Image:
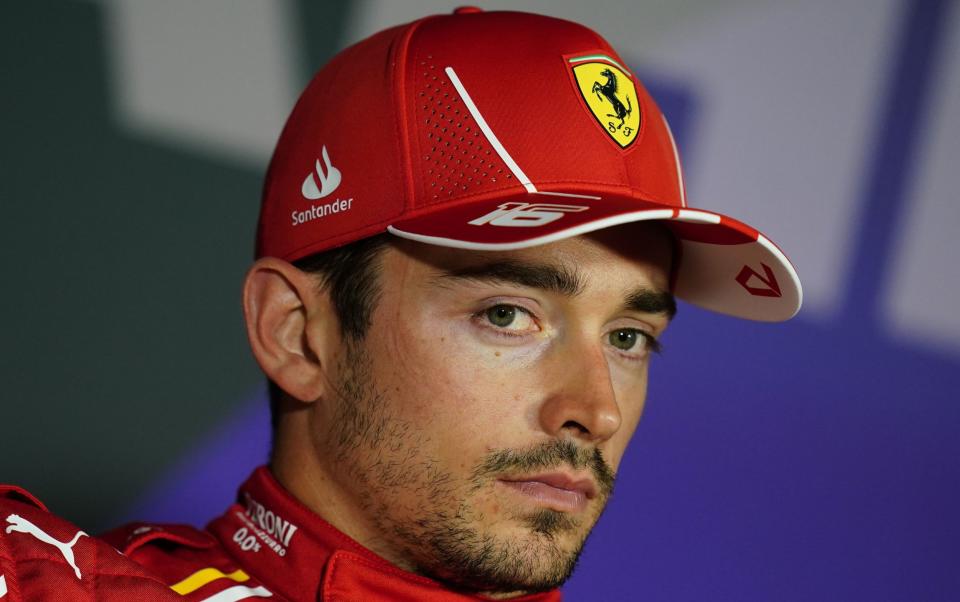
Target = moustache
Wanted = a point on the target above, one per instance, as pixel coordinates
(552, 454)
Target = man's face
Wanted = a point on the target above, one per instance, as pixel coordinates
(478, 425)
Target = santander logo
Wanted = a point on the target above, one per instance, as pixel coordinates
(328, 181)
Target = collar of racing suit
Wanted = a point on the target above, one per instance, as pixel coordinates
(300, 556)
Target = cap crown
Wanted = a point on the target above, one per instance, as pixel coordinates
(410, 119)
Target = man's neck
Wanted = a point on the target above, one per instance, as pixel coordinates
(297, 466)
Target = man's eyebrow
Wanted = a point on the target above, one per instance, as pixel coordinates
(554, 278)
(558, 279)
(650, 301)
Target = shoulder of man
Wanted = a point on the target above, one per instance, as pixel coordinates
(191, 562)
(45, 557)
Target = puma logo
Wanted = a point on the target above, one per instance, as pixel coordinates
(22, 525)
(328, 182)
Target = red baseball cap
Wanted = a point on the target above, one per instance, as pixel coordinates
(498, 131)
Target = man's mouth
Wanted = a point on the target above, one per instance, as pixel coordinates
(554, 490)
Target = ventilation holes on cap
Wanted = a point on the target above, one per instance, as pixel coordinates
(456, 157)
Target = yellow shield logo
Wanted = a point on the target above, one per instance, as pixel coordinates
(611, 96)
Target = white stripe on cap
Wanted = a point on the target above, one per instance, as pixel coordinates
(568, 194)
(697, 216)
(485, 128)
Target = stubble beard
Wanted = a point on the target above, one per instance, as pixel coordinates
(443, 536)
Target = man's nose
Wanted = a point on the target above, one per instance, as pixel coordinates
(581, 400)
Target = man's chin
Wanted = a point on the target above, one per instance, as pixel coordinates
(544, 546)
(526, 554)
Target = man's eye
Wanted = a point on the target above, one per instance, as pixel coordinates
(624, 339)
(632, 339)
(508, 320)
(502, 315)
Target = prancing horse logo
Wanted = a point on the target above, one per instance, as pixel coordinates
(609, 91)
(610, 95)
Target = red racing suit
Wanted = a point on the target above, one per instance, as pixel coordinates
(266, 545)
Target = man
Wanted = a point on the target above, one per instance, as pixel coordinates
(472, 232)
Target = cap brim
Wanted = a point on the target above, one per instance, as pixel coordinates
(725, 265)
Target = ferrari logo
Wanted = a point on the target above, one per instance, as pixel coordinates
(611, 96)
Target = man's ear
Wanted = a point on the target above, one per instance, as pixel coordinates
(290, 325)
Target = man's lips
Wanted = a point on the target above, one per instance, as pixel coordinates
(556, 490)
